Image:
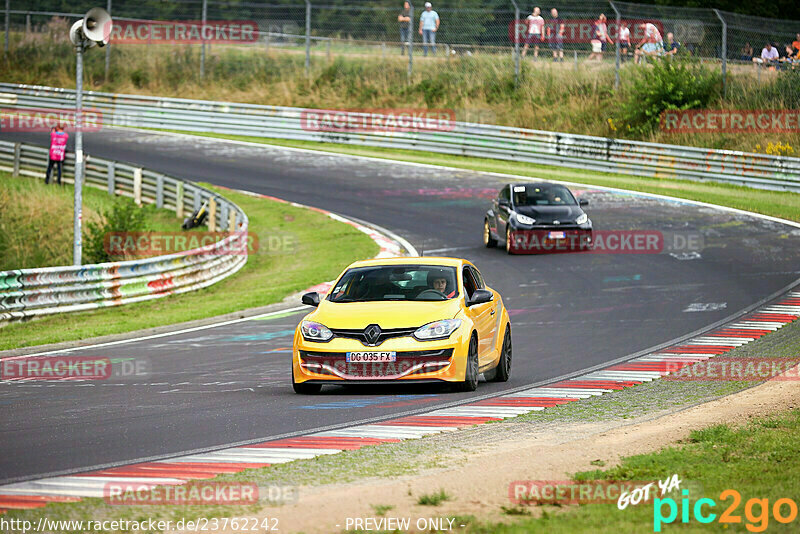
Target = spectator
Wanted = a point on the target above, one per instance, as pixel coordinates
(769, 54)
(535, 35)
(428, 26)
(672, 45)
(404, 18)
(796, 44)
(787, 57)
(624, 40)
(747, 52)
(600, 38)
(58, 150)
(555, 33)
(651, 44)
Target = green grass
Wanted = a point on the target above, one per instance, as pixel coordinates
(781, 204)
(433, 499)
(759, 460)
(269, 275)
(381, 509)
(36, 221)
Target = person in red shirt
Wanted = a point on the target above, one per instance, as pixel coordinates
(58, 151)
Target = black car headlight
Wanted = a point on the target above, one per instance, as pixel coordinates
(582, 219)
(524, 219)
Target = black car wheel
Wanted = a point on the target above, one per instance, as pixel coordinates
(503, 369)
(470, 382)
(488, 240)
(305, 388)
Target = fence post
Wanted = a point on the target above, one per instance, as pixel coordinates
(160, 191)
(724, 53)
(617, 58)
(411, 41)
(17, 150)
(203, 45)
(137, 186)
(266, 41)
(112, 176)
(108, 49)
(179, 200)
(308, 37)
(576, 59)
(516, 43)
(212, 215)
(8, 25)
(329, 50)
(27, 23)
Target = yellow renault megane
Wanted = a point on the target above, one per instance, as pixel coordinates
(405, 320)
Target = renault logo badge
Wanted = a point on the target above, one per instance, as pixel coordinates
(372, 333)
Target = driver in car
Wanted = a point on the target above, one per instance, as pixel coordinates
(438, 282)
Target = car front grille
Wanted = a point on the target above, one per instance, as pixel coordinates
(407, 363)
(361, 336)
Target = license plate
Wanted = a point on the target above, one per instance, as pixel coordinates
(556, 235)
(371, 356)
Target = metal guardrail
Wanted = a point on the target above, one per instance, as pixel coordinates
(468, 139)
(26, 293)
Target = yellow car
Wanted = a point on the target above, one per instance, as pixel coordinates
(403, 320)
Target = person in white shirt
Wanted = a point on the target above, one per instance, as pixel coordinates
(769, 54)
(624, 39)
(535, 35)
(428, 26)
(652, 44)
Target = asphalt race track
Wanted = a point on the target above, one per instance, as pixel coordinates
(229, 384)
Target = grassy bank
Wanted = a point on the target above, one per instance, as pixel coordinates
(287, 236)
(781, 204)
(550, 96)
(30, 210)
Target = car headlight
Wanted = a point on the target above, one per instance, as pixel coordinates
(582, 219)
(315, 331)
(437, 329)
(524, 219)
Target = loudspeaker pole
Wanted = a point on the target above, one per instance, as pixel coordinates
(77, 239)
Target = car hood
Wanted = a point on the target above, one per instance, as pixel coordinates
(548, 214)
(388, 314)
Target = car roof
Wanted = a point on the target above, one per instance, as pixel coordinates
(512, 184)
(411, 260)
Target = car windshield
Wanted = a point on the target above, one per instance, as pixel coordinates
(542, 195)
(396, 282)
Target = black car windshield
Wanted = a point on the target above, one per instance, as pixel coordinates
(396, 282)
(542, 195)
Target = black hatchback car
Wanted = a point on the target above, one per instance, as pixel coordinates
(537, 218)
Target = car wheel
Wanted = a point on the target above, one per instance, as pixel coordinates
(470, 382)
(488, 240)
(508, 240)
(503, 369)
(305, 388)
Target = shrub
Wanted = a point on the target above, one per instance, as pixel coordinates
(123, 216)
(668, 85)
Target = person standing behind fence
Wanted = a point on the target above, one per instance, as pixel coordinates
(555, 33)
(428, 26)
(58, 150)
(624, 40)
(404, 18)
(600, 38)
(652, 44)
(535, 24)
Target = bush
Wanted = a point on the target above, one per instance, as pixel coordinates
(124, 216)
(668, 85)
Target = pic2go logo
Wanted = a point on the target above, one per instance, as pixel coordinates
(756, 511)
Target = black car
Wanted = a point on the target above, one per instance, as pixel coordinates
(537, 217)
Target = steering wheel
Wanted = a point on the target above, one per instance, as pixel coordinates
(431, 293)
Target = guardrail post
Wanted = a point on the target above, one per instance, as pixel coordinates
(17, 150)
(137, 186)
(160, 191)
(112, 177)
(196, 200)
(179, 200)
(223, 217)
(212, 215)
(232, 221)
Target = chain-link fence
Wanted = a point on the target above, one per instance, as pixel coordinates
(507, 32)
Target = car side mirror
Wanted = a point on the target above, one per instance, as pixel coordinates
(312, 299)
(583, 202)
(504, 202)
(480, 296)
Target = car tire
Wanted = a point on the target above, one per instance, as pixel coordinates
(305, 388)
(488, 240)
(508, 241)
(503, 369)
(470, 382)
